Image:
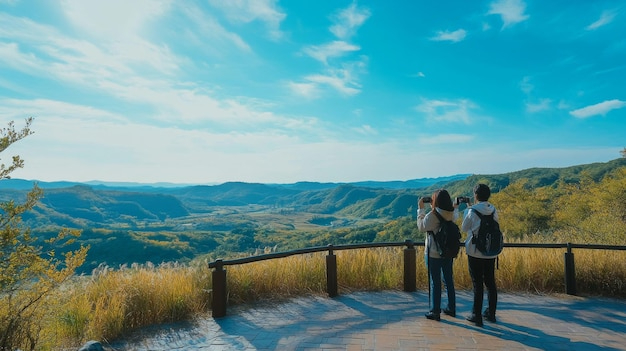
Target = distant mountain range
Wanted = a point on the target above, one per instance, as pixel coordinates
(126, 223)
(82, 205)
(96, 184)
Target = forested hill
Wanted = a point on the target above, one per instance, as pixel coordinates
(127, 224)
(538, 177)
(83, 205)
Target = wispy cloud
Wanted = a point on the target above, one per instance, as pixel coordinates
(542, 105)
(605, 18)
(526, 86)
(308, 90)
(600, 109)
(342, 77)
(341, 80)
(45, 52)
(245, 11)
(445, 139)
(330, 50)
(366, 129)
(349, 20)
(147, 76)
(456, 36)
(115, 19)
(209, 27)
(447, 110)
(511, 11)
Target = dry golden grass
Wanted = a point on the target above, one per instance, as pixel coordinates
(111, 303)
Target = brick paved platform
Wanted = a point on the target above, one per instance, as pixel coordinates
(394, 320)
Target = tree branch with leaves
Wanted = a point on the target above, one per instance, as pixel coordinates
(29, 276)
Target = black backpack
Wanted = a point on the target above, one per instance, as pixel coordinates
(489, 240)
(447, 237)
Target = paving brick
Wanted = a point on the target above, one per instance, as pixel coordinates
(394, 320)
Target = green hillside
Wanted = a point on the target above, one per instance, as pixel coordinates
(537, 177)
(128, 225)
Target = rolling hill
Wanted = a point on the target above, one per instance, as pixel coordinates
(143, 223)
(83, 206)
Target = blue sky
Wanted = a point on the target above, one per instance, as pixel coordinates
(284, 91)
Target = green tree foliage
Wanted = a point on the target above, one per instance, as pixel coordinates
(29, 277)
(593, 212)
(524, 210)
(586, 211)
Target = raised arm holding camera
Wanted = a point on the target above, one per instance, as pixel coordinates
(481, 263)
(442, 210)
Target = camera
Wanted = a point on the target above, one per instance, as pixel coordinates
(427, 199)
(462, 200)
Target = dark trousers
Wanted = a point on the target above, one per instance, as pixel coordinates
(482, 271)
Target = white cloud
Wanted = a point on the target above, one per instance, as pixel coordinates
(113, 19)
(333, 49)
(51, 54)
(445, 139)
(366, 129)
(447, 110)
(563, 105)
(542, 105)
(511, 11)
(145, 75)
(600, 109)
(456, 36)
(338, 80)
(349, 20)
(344, 80)
(342, 76)
(606, 18)
(266, 11)
(209, 27)
(526, 86)
(307, 90)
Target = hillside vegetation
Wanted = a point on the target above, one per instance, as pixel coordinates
(146, 224)
(112, 302)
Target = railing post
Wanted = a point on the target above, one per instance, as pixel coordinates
(218, 305)
(409, 267)
(570, 271)
(331, 272)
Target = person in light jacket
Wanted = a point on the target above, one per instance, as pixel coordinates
(481, 267)
(436, 265)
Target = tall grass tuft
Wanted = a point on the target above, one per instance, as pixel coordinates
(112, 302)
(277, 278)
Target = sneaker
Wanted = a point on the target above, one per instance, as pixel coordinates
(449, 312)
(476, 319)
(489, 316)
(433, 316)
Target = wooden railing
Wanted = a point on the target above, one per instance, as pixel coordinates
(219, 291)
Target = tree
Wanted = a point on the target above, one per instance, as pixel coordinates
(623, 153)
(524, 210)
(29, 277)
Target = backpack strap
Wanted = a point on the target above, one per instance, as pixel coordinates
(480, 215)
(441, 220)
(439, 216)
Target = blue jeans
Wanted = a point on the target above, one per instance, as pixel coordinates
(437, 268)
